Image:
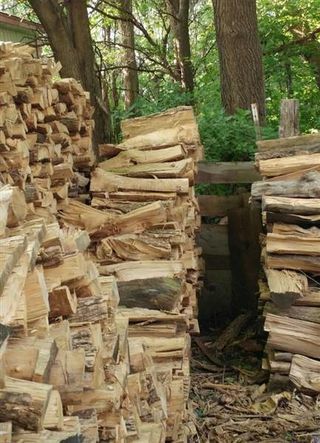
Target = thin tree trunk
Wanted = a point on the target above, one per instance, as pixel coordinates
(240, 55)
(70, 39)
(314, 60)
(179, 21)
(310, 49)
(130, 72)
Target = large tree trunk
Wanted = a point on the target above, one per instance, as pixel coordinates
(179, 21)
(69, 36)
(240, 54)
(130, 72)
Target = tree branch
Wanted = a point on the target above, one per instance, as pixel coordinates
(300, 41)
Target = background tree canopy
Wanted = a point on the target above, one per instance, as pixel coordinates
(153, 54)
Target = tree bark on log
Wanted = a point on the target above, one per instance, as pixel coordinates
(308, 186)
(155, 293)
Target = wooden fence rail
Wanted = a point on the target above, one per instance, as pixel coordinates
(227, 172)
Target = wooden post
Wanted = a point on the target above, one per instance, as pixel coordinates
(256, 120)
(289, 118)
(244, 227)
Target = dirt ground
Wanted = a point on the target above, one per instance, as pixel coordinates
(231, 399)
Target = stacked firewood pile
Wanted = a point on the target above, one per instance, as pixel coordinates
(58, 333)
(290, 290)
(74, 366)
(142, 224)
(45, 130)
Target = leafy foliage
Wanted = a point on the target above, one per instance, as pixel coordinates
(290, 39)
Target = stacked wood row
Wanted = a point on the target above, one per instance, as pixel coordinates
(45, 131)
(63, 349)
(142, 224)
(61, 366)
(290, 287)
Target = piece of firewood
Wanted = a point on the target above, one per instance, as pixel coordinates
(53, 418)
(306, 187)
(304, 373)
(302, 206)
(286, 286)
(24, 403)
(292, 335)
(109, 182)
(155, 293)
(62, 302)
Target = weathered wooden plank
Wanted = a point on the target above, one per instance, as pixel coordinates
(289, 118)
(216, 262)
(213, 239)
(227, 172)
(244, 230)
(218, 206)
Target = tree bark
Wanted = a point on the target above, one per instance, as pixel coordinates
(178, 11)
(130, 72)
(240, 54)
(68, 32)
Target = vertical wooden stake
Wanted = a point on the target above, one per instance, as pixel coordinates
(256, 120)
(289, 118)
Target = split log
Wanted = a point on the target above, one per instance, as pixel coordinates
(310, 298)
(307, 187)
(30, 358)
(11, 294)
(90, 310)
(176, 169)
(294, 230)
(293, 219)
(292, 335)
(287, 165)
(134, 247)
(294, 262)
(286, 287)
(138, 157)
(304, 373)
(72, 269)
(175, 126)
(145, 269)
(307, 313)
(11, 250)
(24, 403)
(36, 295)
(102, 181)
(301, 206)
(292, 244)
(62, 302)
(154, 293)
(67, 374)
(18, 209)
(53, 418)
(83, 216)
(142, 196)
(134, 222)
